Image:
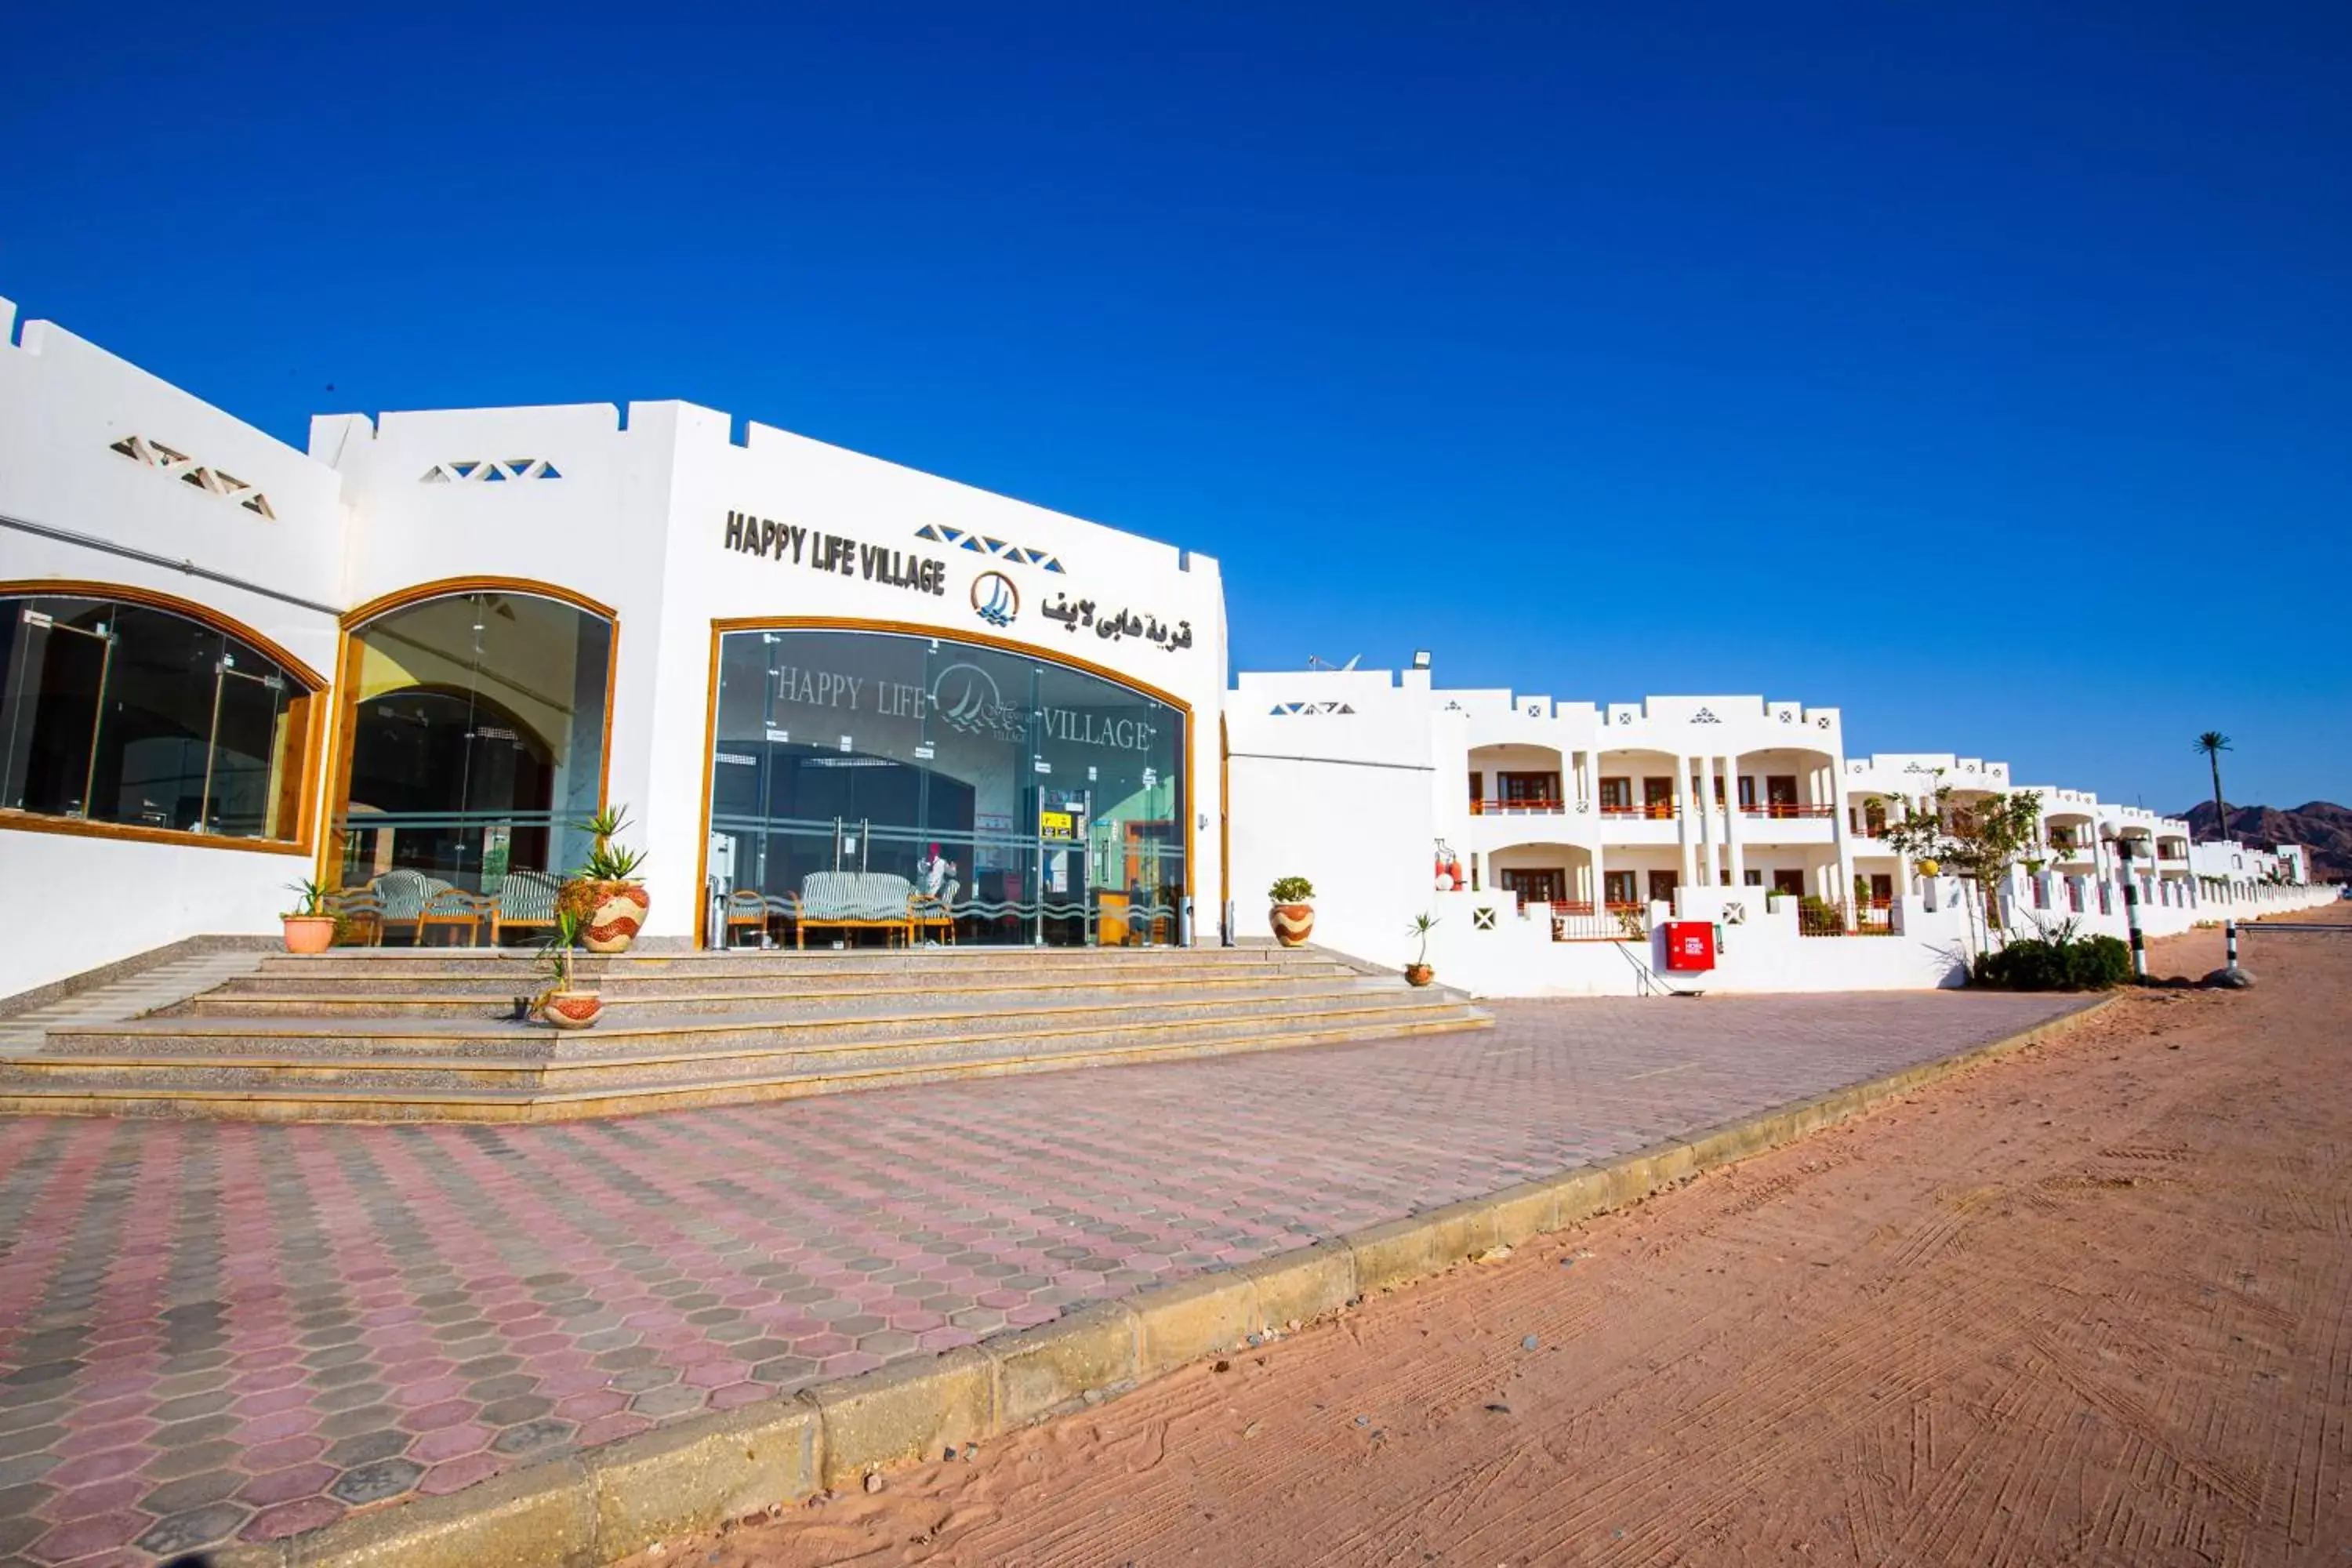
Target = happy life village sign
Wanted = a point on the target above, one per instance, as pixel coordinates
(796, 544)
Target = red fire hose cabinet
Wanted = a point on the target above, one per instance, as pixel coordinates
(1690, 945)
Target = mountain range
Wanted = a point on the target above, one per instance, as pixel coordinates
(2324, 826)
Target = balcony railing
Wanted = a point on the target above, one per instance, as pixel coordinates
(1617, 922)
(1504, 808)
(1785, 810)
(1649, 810)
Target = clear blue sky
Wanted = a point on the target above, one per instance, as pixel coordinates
(1968, 368)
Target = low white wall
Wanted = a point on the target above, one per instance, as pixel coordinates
(1761, 950)
(100, 900)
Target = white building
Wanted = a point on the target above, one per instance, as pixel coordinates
(1580, 829)
(407, 661)
(427, 645)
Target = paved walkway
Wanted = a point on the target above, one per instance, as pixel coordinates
(210, 1330)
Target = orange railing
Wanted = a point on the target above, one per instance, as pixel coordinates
(1654, 810)
(1494, 807)
(1784, 809)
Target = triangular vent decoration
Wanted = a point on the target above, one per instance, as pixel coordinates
(981, 544)
(489, 471)
(1704, 717)
(188, 471)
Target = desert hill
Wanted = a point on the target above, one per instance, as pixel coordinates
(2325, 826)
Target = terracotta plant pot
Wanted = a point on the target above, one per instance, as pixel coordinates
(1293, 924)
(615, 913)
(310, 933)
(1418, 975)
(571, 1009)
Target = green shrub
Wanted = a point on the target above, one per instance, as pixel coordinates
(2062, 962)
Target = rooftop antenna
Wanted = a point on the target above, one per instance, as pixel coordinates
(1317, 662)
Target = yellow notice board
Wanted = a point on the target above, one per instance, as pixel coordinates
(1058, 824)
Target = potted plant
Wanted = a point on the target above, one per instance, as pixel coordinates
(309, 928)
(564, 1003)
(1419, 972)
(1292, 917)
(605, 893)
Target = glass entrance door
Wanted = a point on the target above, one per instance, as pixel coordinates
(981, 795)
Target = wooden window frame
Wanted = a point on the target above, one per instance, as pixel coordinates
(302, 779)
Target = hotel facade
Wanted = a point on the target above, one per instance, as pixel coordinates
(409, 660)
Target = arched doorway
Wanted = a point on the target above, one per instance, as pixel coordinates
(473, 735)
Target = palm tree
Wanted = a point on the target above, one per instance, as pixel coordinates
(2212, 742)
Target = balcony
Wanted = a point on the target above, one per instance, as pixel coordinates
(1651, 811)
(1532, 807)
(1788, 822)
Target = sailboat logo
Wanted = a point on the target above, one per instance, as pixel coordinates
(966, 697)
(994, 599)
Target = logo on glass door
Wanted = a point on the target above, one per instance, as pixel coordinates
(966, 697)
(994, 599)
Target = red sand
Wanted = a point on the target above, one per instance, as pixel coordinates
(2085, 1305)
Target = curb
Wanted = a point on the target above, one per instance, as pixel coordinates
(602, 1505)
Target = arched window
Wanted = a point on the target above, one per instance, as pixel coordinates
(475, 727)
(119, 711)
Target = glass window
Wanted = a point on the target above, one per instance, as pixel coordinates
(126, 713)
(1016, 799)
(477, 725)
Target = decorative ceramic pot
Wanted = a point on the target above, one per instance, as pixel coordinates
(571, 1009)
(615, 916)
(1418, 975)
(310, 933)
(1293, 924)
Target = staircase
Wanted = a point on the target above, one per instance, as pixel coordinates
(402, 1034)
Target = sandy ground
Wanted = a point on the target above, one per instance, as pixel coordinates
(2086, 1305)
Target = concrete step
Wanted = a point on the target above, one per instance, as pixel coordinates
(391, 963)
(273, 994)
(546, 1059)
(381, 1034)
(65, 1090)
(487, 1034)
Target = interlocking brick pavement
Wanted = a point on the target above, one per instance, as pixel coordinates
(212, 1331)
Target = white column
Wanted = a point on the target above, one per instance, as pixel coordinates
(1707, 861)
(1844, 838)
(1682, 813)
(1732, 831)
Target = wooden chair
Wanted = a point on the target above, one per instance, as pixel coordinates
(361, 910)
(453, 910)
(746, 911)
(403, 895)
(525, 899)
(931, 912)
